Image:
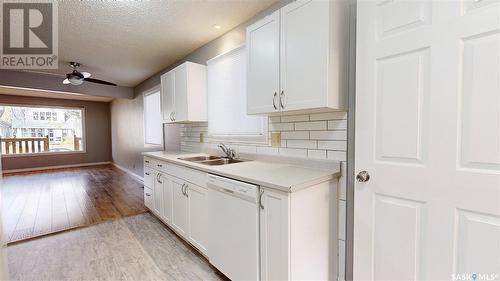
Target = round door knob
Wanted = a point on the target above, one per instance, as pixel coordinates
(363, 176)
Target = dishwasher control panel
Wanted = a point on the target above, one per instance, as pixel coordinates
(232, 186)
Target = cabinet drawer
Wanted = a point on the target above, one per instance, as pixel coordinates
(148, 198)
(149, 175)
(160, 166)
(188, 174)
(149, 162)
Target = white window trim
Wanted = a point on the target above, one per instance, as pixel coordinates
(148, 92)
(262, 139)
(84, 137)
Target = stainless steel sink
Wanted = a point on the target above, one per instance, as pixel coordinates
(211, 160)
(199, 158)
(222, 161)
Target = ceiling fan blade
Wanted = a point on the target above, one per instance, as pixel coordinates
(85, 74)
(66, 81)
(99, 81)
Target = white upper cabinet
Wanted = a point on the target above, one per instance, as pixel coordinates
(311, 38)
(184, 94)
(263, 65)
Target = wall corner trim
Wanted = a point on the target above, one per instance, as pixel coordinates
(130, 173)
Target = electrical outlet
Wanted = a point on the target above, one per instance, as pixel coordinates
(202, 137)
(275, 139)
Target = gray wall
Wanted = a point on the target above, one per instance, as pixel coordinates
(97, 134)
(128, 155)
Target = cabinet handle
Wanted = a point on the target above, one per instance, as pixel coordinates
(170, 116)
(147, 174)
(274, 101)
(282, 98)
(260, 198)
(186, 192)
(160, 165)
(173, 115)
(148, 194)
(147, 161)
(182, 189)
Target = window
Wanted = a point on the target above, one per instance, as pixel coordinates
(227, 118)
(153, 128)
(22, 131)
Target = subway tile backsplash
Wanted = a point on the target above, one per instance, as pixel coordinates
(315, 135)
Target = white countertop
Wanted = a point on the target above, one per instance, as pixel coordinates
(278, 175)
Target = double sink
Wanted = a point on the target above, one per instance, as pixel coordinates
(211, 160)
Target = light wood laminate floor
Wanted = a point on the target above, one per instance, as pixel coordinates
(44, 202)
(133, 248)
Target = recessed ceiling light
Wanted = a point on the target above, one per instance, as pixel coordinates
(217, 26)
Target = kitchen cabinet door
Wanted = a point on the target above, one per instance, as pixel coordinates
(157, 195)
(263, 65)
(198, 216)
(148, 198)
(167, 198)
(274, 235)
(304, 53)
(149, 177)
(167, 96)
(179, 207)
(181, 93)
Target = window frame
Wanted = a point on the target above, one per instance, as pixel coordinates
(155, 89)
(262, 139)
(84, 137)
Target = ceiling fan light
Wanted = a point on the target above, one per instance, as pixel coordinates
(75, 81)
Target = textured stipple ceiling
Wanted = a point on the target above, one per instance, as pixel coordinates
(125, 42)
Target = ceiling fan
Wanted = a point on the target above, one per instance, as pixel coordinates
(76, 77)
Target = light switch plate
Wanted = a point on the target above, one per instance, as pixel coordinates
(275, 139)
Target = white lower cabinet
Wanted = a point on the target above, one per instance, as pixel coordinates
(298, 233)
(198, 216)
(298, 230)
(158, 195)
(179, 207)
(273, 235)
(182, 205)
(148, 197)
(166, 183)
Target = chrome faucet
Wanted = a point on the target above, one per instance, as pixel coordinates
(230, 153)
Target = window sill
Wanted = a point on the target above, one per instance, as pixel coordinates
(41, 154)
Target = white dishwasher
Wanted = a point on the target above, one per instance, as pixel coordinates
(233, 245)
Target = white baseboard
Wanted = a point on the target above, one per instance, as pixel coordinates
(54, 167)
(130, 173)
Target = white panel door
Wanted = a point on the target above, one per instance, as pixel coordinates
(428, 133)
(167, 95)
(198, 216)
(181, 93)
(179, 207)
(263, 65)
(304, 55)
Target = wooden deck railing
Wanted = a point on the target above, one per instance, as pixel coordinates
(77, 142)
(24, 145)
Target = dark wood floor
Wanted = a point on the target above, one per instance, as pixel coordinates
(40, 203)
